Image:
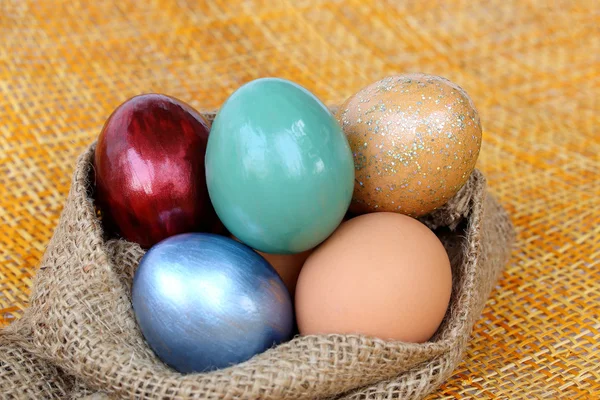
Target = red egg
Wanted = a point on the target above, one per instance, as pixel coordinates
(149, 164)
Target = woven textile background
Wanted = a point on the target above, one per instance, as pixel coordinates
(532, 70)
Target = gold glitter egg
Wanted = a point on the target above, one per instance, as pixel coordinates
(415, 140)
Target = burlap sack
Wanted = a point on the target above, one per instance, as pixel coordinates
(79, 338)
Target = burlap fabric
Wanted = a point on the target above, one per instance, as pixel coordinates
(79, 338)
(531, 68)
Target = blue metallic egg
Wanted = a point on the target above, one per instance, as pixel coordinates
(204, 302)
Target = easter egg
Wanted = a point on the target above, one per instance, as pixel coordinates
(288, 266)
(149, 165)
(415, 139)
(204, 302)
(278, 167)
(383, 275)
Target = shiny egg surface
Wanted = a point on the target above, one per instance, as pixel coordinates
(204, 302)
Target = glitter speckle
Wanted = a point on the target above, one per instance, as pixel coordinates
(427, 137)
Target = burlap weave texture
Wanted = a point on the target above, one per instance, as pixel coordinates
(80, 325)
(531, 68)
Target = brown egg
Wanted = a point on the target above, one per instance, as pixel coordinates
(415, 140)
(288, 266)
(382, 274)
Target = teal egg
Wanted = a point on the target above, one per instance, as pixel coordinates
(279, 169)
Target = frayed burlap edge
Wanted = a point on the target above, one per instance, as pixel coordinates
(79, 335)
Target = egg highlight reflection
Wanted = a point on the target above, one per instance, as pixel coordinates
(204, 302)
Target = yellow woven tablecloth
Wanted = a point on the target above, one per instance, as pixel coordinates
(532, 70)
